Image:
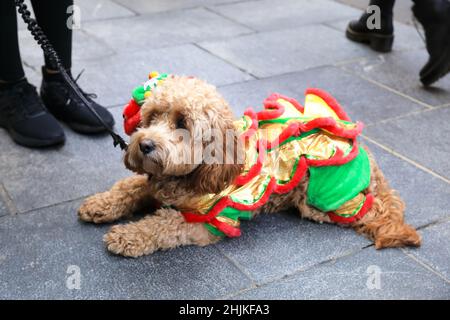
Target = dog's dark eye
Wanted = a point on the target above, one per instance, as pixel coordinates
(180, 123)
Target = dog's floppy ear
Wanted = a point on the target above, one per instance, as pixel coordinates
(213, 178)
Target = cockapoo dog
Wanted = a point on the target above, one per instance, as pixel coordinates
(199, 202)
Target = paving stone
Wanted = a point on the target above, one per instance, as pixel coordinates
(427, 198)
(406, 37)
(101, 9)
(435, 251)
(52, 239)
(164, 29)
(400, 71)
(283, 51)
(145, 6)
(114, 77)
(84, 165)
(92, 10)
(33, 76)
(353, 277)
(264, 15)
(279, 244)
(85, 48)
(362, 100)
(3, 209)
(421, 137)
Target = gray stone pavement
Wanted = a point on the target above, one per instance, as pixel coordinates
(248, 49)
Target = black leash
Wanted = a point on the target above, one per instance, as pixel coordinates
(50, 52)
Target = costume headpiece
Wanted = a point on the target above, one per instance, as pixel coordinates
(132, 111)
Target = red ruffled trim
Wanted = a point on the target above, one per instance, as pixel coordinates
(337, 159)
(256, 168)
(210, 217)
(230, 231)
(330, 101)
(298, 175)
(361, 213)
(272, 108)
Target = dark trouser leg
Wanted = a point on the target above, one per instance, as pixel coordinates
(386, 6)
(434, 16)
(10, 63)
(52, 17)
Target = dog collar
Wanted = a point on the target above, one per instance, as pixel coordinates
(131, 112)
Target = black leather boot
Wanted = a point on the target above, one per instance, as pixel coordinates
(434, 16)
(67, 107)
(380, 39)
(25, 118)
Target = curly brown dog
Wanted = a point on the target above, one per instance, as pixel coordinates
(191, 104)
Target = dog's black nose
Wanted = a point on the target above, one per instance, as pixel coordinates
(147, 146)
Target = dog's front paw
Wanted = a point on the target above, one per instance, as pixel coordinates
(100, 208)
(129, 241)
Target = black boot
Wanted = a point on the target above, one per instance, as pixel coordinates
(69, 108)
(434, 15)
(25, 118)
(378, 39)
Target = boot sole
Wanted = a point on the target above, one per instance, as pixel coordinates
(436, 71)
(32, 142)
(377, 42)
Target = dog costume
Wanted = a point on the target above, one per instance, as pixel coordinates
(282, 143)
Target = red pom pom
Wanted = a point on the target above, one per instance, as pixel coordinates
(131, 109)
(131, 117)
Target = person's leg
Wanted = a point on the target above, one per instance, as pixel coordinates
(380, 38)
(52, 17)
(11, 69)
(22, 113)
(434, 15)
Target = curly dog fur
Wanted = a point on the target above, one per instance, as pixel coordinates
(164, 176)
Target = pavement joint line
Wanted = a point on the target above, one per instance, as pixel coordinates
(211, 9)
(237, 265)
(175, 9)
(98, 39)
(434, 223)
(153, 13)
(347, 253)
(402, 157)
(342, 63)
(285, 74)
(170, 46)
(125, 7)
(425, 265)
(33, 210)
(147, 14)
(405, 115)
(224, 4)
(7, 200)
(329, 24)
(387, 87)
(443, 105)
(198, 45)
(30, 66)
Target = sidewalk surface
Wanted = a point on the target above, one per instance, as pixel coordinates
(248, 49)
